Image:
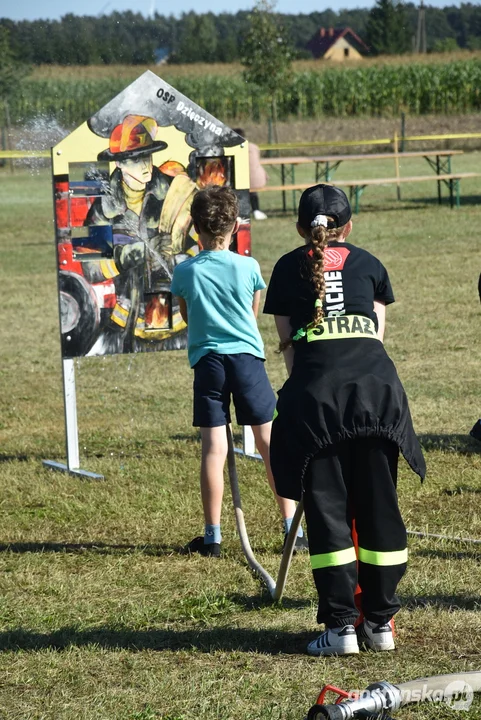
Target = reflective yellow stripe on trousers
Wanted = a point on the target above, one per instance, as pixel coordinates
(374, 557)
(332, 559)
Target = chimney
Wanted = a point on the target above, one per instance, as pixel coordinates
(322, 32)
(331, 32)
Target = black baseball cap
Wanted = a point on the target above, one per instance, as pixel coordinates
(324, 200)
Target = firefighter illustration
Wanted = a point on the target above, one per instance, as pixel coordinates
(148, 209)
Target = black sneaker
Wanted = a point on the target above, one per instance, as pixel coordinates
(197, 545)
(301, 544)
(476, 431)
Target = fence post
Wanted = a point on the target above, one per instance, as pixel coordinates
(4, 145)
(8, 134)
(269, 136)
(396, 163)
(403, 131)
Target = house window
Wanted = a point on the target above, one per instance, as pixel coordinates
(346, 52)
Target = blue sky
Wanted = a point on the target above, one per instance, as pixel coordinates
(54, 9)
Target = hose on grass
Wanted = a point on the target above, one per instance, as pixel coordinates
(239, 517)
(275, 589)
(469, 541)
(379, 698)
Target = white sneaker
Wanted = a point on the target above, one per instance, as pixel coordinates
(335, 641)
(259, 215)
(375, 637)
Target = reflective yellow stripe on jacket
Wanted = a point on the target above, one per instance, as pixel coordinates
(109, 269)
(119, 315)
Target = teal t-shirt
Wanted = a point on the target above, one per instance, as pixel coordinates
(218, 288)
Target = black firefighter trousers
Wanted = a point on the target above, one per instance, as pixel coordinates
(355, 479)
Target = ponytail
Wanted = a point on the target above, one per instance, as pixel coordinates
(319, 237)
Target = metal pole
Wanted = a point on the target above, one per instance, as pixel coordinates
(248, 444)
(71, 426)
(403, 131)
(248, 448)
(9, 132)
(438, 171)
(4, 145)
(396, 163)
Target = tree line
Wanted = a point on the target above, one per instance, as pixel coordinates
(131, 38)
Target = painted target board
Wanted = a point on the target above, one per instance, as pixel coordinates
(123, 186)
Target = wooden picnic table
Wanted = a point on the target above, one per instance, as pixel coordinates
(357, 187)
(326, 165)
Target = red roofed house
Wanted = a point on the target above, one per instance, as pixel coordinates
(337, 44)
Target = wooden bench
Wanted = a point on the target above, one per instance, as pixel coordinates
(439, 160)
(356, 187)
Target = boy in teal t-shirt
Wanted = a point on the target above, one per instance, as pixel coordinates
(219, 295)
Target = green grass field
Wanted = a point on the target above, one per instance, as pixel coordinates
(101, 618)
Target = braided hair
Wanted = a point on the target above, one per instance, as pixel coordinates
(319, 236)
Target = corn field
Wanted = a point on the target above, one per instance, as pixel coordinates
(372, 90)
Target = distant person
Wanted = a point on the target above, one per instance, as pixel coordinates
(258, 177)
(342, 418)
(219, 293)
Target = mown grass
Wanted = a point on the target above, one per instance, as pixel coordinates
(100, 616)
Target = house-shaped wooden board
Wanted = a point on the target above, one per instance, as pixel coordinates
(123, 187)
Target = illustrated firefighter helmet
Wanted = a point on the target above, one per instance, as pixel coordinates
(134, 137)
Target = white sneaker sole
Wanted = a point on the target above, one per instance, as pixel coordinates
(383, 647)
(315, 651)
(380, 646)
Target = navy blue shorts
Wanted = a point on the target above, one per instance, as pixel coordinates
(242, 376)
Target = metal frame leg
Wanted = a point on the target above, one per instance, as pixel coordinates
(438, 172)
(71, 427)
(357, 191)
(293, 181)
(248, 448)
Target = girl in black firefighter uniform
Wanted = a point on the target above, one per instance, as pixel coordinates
(342, 417)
